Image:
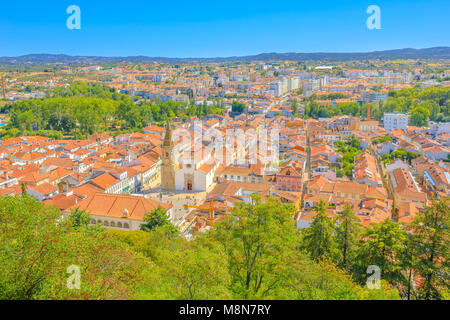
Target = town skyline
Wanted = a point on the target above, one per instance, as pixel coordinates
(440, 52)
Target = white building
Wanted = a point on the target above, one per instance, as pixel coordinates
(437, 128)
(394, 121)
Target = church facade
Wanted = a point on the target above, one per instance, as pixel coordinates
(193, 170)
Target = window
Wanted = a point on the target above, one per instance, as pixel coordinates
(113, 224)
(93, 221)
(126, 226)
(119, 225)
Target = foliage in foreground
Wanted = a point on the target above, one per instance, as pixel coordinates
(254, 254)
(411, 257)
(38, 248)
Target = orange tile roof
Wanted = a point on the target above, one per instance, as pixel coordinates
(113, 205)
(104, 180)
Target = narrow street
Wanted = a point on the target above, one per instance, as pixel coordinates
(307, 171)
(386, 182)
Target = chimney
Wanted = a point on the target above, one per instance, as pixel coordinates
(125, 213)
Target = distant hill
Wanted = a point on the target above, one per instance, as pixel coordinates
(408, 53)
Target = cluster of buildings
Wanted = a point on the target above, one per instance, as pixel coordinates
(398, 188)
(71, 173)
(266, 151)
(298, 162)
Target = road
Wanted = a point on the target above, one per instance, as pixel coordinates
(307, 171)
(386, 182)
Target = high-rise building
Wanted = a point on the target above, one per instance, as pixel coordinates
(394, 121)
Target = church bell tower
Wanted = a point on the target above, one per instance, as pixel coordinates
(168, 166)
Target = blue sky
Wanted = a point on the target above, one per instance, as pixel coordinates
(219, 27)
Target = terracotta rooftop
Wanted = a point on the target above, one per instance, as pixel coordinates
(113, 205)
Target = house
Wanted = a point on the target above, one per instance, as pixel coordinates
(289, 179)
(111, 184)
(366, 170)
(386, 148)
(395, 164)
(101, 138)
(407, 212)
(436, 178)
(63, 201)
(43, 191)
(289, 197)
(307, 217)
(406, 188)
(35, 158)
(436, 153)
(311, 201)
(368, 126)
(35, 178)
(153, 129)
(6, 181)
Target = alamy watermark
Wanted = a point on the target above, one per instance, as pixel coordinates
(374, 20)
(74, 20)
(74, 280)
(373, 282)
(199, 144)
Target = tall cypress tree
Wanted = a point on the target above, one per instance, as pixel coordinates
(319, 240)
(348, 228)
(408, 261)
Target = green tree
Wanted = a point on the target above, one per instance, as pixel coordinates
(24, 189)
(195, 270)
(319, 240)
(381, 245)
(419, 117)
(348, 228)
(237, 107)
(79, 218)
(258, 241)
(156, 218)
(431, 236)
(408, 260)
(38, 248)
(294, 106)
